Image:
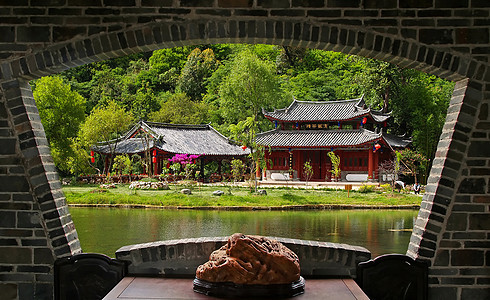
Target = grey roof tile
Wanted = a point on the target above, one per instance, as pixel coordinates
(324, 111)
(176, 138)
(396, 141)
(131, 146)
(327, 138)
(317, 138)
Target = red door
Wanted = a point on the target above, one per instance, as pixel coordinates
(315, 159)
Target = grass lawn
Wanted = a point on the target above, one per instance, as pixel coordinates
(239, 197)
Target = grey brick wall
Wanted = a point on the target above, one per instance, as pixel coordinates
(453, 223)
(448, 38)
(35, 226)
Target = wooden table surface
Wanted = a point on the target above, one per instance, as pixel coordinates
(178, 288)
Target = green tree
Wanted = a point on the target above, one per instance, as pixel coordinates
(335, 159)
(105, 124)
(200, 65)
(381, 82)
(137, 166)
(79, 163)
(180, 109)
(323, 75)
(307, 171)
(245, 132)
(130, 87)
(289, 59)
(122, 164)
(106, 87)
(421, 109)
(413, 162)
(137, 94)
(252, 84)
(164, 60)
(62, 110)
(317, 85)
(237, 169)
(82, 78)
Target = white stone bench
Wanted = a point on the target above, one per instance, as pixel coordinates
(356, 177)
(280, 176)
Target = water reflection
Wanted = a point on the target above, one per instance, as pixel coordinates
(104, 230)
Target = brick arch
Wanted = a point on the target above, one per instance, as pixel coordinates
(457, 193)
(152, 36)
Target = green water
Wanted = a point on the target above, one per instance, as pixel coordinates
(104, 230)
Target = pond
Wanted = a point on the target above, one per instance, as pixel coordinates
(104, 230)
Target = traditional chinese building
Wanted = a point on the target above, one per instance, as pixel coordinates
(162, 141)
(307, 130)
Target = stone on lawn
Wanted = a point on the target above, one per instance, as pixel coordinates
(218, 193)
(186, 191)
(147, 185)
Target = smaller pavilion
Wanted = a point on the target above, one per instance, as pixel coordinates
(162, 141)
(307, 130)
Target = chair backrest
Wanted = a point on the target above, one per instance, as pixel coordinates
(86, 276)
(393, 276)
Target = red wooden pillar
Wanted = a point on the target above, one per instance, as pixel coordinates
(370, 163)
(155, 162)
(155, 167)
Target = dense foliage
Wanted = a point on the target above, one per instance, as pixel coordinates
(62, 110)
(224, 85)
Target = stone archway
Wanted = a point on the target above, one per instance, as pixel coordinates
(451, 231)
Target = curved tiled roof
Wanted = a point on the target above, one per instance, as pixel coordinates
(131, 146)
(176, 138)
(379, 116)
(316, 138)
(324, 111)
(396, 141)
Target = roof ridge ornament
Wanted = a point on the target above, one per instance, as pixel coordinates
(290, 105)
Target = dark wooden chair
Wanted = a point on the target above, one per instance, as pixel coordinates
(393, 276)
(86, 276)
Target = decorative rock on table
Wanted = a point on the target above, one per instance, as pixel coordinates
(250, 266)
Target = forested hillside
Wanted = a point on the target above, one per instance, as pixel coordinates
(206, 83)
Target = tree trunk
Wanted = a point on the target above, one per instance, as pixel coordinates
(288, 55)
(386, 99)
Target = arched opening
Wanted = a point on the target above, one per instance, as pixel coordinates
(444, 184)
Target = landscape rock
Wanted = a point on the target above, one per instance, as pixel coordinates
(248, 259)
(186, 191)
(262, 192)
(218, 193)
(108, 186)
(144, 185)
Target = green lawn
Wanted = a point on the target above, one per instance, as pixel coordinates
(202, 197)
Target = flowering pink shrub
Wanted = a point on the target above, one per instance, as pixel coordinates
(184, 159)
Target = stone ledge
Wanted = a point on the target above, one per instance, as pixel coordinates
(182, 257)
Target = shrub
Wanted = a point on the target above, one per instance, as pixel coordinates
(386, 187)
(366, 188)
(149, 179)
